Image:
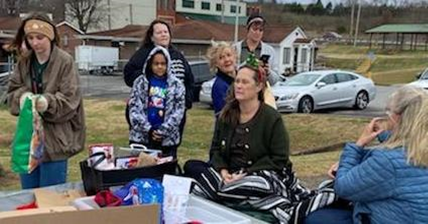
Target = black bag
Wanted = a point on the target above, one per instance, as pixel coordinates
(96, 180)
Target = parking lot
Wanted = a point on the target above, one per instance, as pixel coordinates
(104, 86)
(114, 87)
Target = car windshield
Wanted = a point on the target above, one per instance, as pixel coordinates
(302, 80)
(424, 76)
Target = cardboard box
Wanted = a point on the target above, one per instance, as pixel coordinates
(47, 198)
(26, 212)
(144, 214)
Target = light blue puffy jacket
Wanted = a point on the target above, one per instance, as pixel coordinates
(383, 185)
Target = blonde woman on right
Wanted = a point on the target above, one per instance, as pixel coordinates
(222, 57)
(387, 183)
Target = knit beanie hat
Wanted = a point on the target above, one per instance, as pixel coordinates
(39, 27)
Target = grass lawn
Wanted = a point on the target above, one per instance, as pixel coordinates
(106, 124)
(390, 66)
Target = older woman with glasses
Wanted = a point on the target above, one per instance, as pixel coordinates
(387, 183)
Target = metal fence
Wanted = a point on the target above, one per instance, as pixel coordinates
(4, 79)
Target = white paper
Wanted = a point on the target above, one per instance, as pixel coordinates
(176, 196)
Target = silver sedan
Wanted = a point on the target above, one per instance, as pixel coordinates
(315, 90)
(422, 81)
(205, 93)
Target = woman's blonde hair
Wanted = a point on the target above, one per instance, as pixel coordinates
(216, 49)
(411, 130)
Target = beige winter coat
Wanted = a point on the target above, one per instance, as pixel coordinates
(63, 121)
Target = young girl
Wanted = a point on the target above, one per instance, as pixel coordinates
(47, 72)
(157, 105)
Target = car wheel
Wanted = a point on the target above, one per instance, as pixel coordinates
(361, 100)
(306, 105)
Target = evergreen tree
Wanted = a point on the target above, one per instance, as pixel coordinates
(297, 8)
(329, 8)
(315, 9)
(339, 10)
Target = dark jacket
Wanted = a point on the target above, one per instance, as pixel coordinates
(180, 68)
(268, 146)
(219, 91)
(64, 120)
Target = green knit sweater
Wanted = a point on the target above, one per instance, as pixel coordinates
(268, 142)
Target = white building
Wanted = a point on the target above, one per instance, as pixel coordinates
(212, 8)
(296, 52)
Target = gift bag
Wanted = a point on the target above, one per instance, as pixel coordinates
(28, 143)
(141, 191)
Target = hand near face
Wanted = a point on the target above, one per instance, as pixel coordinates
(266, 67)
(370, 132)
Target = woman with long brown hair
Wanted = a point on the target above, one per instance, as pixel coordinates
(250, 162)
(47, 73)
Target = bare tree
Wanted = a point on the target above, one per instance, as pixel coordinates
(87, 13)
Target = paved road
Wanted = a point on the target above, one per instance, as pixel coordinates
(114, 87)
(104, 86)
(375, 108)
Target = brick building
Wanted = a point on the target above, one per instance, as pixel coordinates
(294, 49)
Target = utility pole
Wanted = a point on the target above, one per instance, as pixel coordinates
(236, 21)
(130, 14)
(222, 11)
(358, 23)
(351, 28)
(109, 14)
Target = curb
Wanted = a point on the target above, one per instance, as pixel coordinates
(328, 148)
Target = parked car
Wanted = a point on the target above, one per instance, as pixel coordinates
(201, 73)
(205, 93)
(422, 80)
(315, 90)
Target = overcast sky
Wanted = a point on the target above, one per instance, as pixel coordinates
(308, 1)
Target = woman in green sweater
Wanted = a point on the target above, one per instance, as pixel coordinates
(250, 163)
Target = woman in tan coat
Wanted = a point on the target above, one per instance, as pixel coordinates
(48, 73)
